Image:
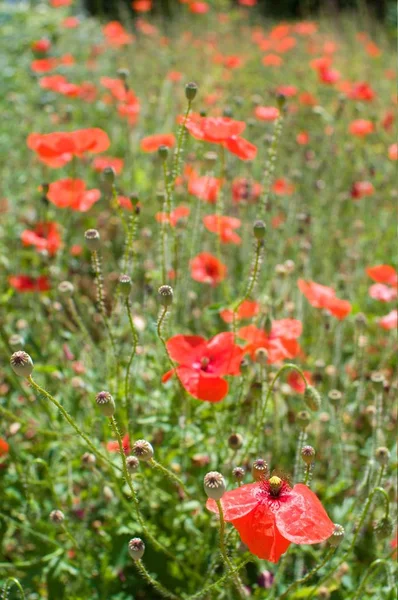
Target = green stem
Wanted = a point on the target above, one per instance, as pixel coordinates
(224, 554)
(132, 355)
(152, 582)
(223, 579)
(169, 475)
(8, 585)
(286, 593)
(373, 567)
(251, 283)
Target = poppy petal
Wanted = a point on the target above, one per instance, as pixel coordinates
(184, 349)
(202, 386)
(237, 503)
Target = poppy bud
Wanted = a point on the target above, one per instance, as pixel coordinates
(57, 517)
(134, 198)
(132, 463)
(165, 295)
(259, 469)
(163, 152)
(66, 288)
(378, 379)
(303, 418)
(190, 91)
(143, 450)
(259, 230)
(125, 285)
(214, 485)
(228, 112)
(312, 398)
(105, 403)
(123, 74)
(281, 101)
(21, 363)
(337, 536)
(235, 441)
(361, 321)
(244, 365)
(136, 548)
(308, 454)
(268, 324)
(382, 455)
(108, 493)
(92, 238)
(44, 188)
(335, 397)
(238, 473)
(88, 459)
(384, 528)
(261, 356)
(109, 175)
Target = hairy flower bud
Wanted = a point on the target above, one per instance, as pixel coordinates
(259, 469)
(132, 463)
(259, 230)
(163, 152)
(384, 528)
(312, 398)
(125, 285)
(238, 473)
(88, 459)
(335, 397)
(165, 295)
(66, 288)
(136, 548)
(190, 91)
(57, 517)
(382, 455)
(109, 175)
(337, 536)
(378, 379)
(143, 450)
(105, 403)
(308, 454)
(235, 441)
(92, 238)
(281, 101)
(21, 363)
(214, 485)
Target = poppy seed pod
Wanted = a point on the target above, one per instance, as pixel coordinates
(238, 473)
(66, 288)
(337, 536)
(109, 175)
(163, 152)
(377, 379)
(92, 238)
(88, 459)
(136, 548)
(143, 450)
(384, 528)
(105, 403)
(335, 397)
(21, 363)
(308, 454)
(261, 356)
(382, 455)
(259, 469)
(312, 398)
(125, 285)
(259, 230)
(303, 419)
(235, 441)
(190, 91)
(57, 517)
(214, 485)
(132, 463)
(165, 295)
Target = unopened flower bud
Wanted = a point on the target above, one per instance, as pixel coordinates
(235, 441)
(163, 152)
(377, 379)
(335, 397)
(214, 485)
(337, 536)
(92, 238)
(143, 450)
(210, 158)
(123, 74)
(108, 493)
(21, 363)
(384, 528)
(136, 548)
(259, 469)
(57, 517)
(361, 321)
(238, 473)
(308, 454)
(66, 288)
(190, 91)
(244, 366)
(132, 463)
(259, 230)
(281, 101)
(88, 459)
(109, 175)
(382, 455)
(134, 198)
(268, 324)
(312, 398)
(125, 285)
(165, 295)
(303, 419)
(105, 403)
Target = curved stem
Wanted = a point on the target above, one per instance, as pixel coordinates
(132, 355)
(251, 283)
(373, 567)
(152, 582)
(223, 579)
(224, 554)
(169, 474)
(328, 556)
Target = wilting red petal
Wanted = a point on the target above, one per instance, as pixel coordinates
(202, 386)
(301, 518)
(185, 349)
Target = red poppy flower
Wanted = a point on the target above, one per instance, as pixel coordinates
(130, 109)
(223, 227)
(269, 516)
(247, 2)
(287, 90)
(266, 113)
(113, 446)
(152, 142)
(383, 274)
(389, 321)
(307, 99)
(174, 76)
(116, 35)
(282, 187)
(242, 148)
(4, 447)
(303, 138)
(393, 152)
(321, 296)
(383, 293)
(361, 188)
(213, 129)
(206, 268)
(24, 283)
(42, 45)
(70, 22)
(72, 193)
(247, 310)
(101, 162)
(205, 188)
(296, 381)
(45, 236)
(203, 364)
(142, 5)
(199, 8)
(272, 60)
(244, 190)
(361, 127)
(180, 212)
(59, 3)
(44, 65)
(280, 344)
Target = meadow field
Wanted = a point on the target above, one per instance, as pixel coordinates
(198, 316)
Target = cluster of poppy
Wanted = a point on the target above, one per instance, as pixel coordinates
(385, 290)
(322, 296)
